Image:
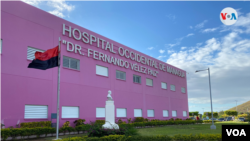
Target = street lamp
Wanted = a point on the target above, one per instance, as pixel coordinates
(236, 107)
(212, 126)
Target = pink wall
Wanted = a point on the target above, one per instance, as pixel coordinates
(24, 25)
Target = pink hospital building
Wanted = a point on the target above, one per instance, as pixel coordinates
(91, 64)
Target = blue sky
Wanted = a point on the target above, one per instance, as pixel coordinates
(188, 35)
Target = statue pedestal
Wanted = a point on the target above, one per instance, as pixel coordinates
(110, 116)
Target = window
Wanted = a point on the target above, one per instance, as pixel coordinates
(71, 63)
(165, 113)
(31, 52)
(163, 85)
(121, 112)
(151, 113)
(172, 87)
(70, 112)
(184, 113)
(100, 112)
(183, 90)
(137, 79)
(137, 113)
(120, 75)
(100, 70)
(36, 112)
(174, 114)
(149, 82)
(1, 46)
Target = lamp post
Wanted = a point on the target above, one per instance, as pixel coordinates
(236, 108)
(212, 126)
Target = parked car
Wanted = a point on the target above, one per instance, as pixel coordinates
(242, 119)
(213, 119)
(221, 119)
(192, 118)
(229, 119)
(204, 119)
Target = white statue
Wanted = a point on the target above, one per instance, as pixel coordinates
(109, 96)
(110, 114)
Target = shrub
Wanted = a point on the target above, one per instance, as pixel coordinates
(100, 132)
(200, 137)
(100, 121)
(113, 138)
(35, 124)
(243, 115)
(199, 121)
(129, 120)
(67, 129)
(139, 119)
(66, 124)
(209, 121)
(129, 129)
(79, 122)
(120, 121)
(5, 133)
(139, 124)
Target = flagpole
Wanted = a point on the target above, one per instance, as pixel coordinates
(58, 90)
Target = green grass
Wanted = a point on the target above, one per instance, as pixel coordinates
(184, 129)
(168, 130)
(51, 138)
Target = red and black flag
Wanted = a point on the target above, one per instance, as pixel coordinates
(45, 60)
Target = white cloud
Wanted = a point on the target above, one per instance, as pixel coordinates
(227, 58)
(198, 44)
(161, 51)
(191, 34)
(150, 48)
(242, 25)
(172, 45)
(57, 13)
(244, 21)
(33, 2)
(178, 41)
(209, 30)
(190, 27)
(182, 48)
(60, 7)
(171, 16)
(200, 25)
(161, 57)
(170, 51)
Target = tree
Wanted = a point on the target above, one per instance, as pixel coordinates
(221, 113)
(231, 112)
(195, 113)
(215, 114)
(204, 116)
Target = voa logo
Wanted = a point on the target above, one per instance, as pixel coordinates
(228, 16)
(236, 132)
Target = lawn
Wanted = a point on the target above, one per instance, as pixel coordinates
(184, 129)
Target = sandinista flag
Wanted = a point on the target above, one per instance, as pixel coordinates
(45, 60)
